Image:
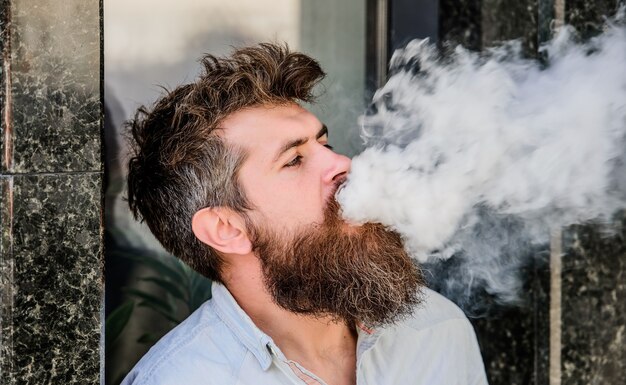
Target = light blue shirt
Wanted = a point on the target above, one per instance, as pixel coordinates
(220, 345)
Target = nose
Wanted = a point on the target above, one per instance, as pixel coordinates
(337, 168)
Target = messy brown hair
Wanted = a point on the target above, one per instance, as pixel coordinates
(179, 165)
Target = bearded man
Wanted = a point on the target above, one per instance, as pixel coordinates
(238, 180)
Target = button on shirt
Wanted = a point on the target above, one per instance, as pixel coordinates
(220, 345)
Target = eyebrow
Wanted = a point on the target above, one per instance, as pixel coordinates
(299, 142)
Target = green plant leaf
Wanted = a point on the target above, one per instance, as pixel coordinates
(157, 264)
(183, 269)
(150, 300)
(117, 321)
(170, 316)
(200, 289)
(120, 377)
(169, 286)
(148, 338)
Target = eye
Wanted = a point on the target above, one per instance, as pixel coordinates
(295, 162)
(328, 146)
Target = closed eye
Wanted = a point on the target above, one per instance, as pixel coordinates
(294, 162)
(298, 159)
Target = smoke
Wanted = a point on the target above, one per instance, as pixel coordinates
(476, 158)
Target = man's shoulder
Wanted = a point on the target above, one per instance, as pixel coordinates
(437, 341)
(200, 345)
(434, 310)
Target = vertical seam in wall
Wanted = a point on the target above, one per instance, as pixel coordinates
(102, 349)
(559, 13)
(6, 281)
(6, 194)
(556, 267)
(8, 99)
(382, 37)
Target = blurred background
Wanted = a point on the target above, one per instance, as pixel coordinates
(149, 45)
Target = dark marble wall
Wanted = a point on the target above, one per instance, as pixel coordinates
(515, 342)
(50, 191)
(594, 305)
(588, 16)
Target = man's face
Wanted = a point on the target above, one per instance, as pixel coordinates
(313, 262)
(289, 173)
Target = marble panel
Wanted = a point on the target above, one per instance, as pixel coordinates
(55, 76)
(546, 21)
(482, 24)
(4, 17)
(515, 341)
(56, 280)
(6, 276)
(504, 20)
(588, 16)
(594, 305)
(460, 23)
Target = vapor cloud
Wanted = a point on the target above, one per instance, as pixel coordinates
(481, 156)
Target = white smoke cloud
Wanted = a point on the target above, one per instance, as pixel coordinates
(481, 156)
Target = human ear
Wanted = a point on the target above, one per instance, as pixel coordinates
(222, 229)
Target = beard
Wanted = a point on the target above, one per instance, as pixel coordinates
(351, 274)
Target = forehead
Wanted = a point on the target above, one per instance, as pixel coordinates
(266, 127)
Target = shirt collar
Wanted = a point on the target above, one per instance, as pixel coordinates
(241, 325)
(260, 344)
(366, 338)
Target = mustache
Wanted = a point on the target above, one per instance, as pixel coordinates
(339, 183)
(332, 205)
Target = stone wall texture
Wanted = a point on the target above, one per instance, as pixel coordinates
(516, 342)
(50, 192)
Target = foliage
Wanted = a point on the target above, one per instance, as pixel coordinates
(175, 291)
(116, 321)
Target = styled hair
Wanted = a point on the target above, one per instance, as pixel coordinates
(179, 165)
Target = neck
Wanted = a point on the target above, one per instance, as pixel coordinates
(320, 344)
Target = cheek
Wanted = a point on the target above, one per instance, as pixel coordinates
(294, 205)
(291, 198)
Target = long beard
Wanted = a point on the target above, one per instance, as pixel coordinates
(358, 274)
